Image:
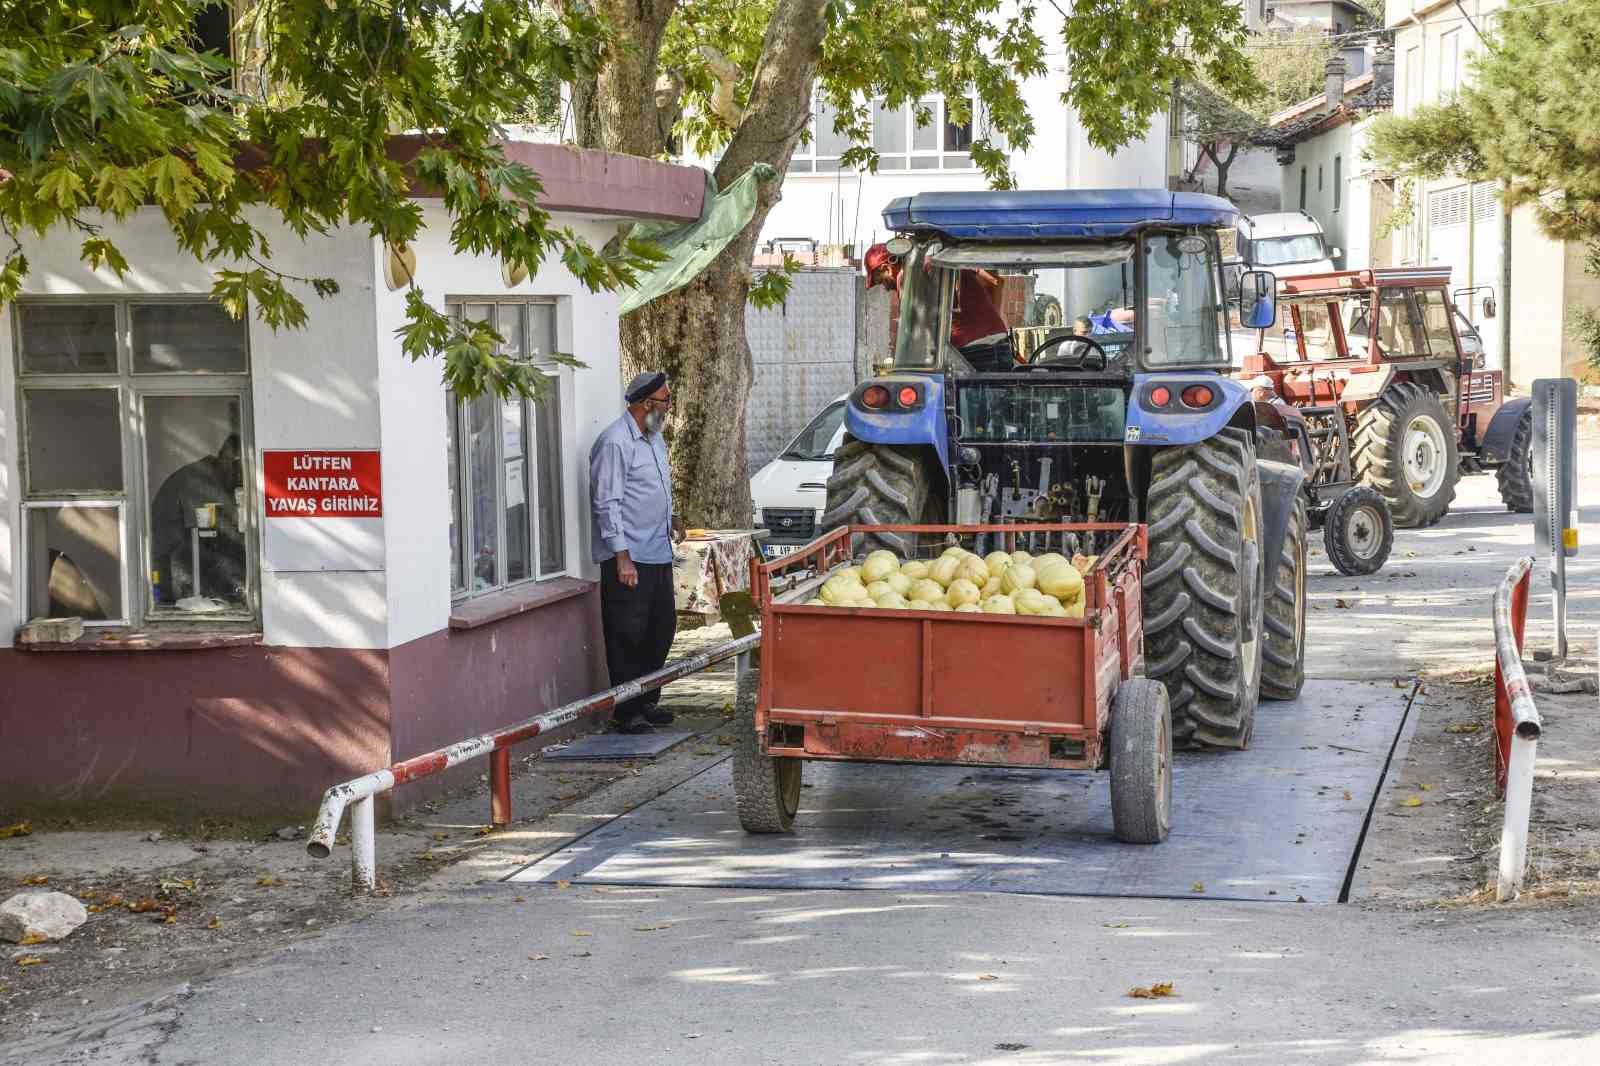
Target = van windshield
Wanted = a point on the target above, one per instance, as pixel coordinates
(1282, 251)
(815, 442)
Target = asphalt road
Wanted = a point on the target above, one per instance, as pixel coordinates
(612, 975)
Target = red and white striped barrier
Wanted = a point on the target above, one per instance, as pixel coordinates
(1516, 725)
(497, 745)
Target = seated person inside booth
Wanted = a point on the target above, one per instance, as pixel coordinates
(977, 329)
(197, 500)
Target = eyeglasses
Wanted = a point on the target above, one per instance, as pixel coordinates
(653, 402)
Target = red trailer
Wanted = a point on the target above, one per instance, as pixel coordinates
(880, 685)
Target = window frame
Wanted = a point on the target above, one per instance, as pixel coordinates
(807, 157)
(134, 500)
(558, 376)
(1338, 182)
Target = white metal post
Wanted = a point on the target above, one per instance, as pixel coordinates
(363, 845)
(1519, 806)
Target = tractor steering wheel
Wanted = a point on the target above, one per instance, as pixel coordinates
(1083, 359)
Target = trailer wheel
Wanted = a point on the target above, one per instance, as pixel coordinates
(1405, 447)
(766, 790)
(1358, 532)
(882, 485)
(1202, 589)
(1515, 475)
(1141, 762)
(1283, 666)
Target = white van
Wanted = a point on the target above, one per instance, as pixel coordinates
(1284, 242)
(790, 492)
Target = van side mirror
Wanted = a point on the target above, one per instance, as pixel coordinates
(1258, 299)
(1335, 253)
(1488, 306)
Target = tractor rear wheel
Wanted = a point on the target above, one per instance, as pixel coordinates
(1283, 666)
(1515, 475)
(882, 485)
(766, 790)
(1202, 589)
(1405, 447)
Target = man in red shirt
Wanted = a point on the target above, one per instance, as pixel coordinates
(977, 330)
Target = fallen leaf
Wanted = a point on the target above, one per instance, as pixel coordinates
(30, 960)
(582, 932)
(647, 928)
(1347, 795)
(988, 977)
(171, 919)
(1426, 788)
(1342, 603)
(441, 836)
(520, 899)
(174, 884)
(602, 888)
(563, 884)
(1159, 990)
(582, 954)
(538, 958)
(143, 906)
(1116, 925)
(266, 882)
(483, 830)
(39, 880)
(1411, 801)
(33, 938)
(1463, 727)
(426, 856)
(1198, 886)
(214, 923)
(726, 742)
(21, 829)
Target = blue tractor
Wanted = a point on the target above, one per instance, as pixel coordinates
(1116, 407)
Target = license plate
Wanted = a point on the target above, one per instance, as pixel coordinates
(775, 550)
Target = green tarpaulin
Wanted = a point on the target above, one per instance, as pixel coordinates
(690, 248)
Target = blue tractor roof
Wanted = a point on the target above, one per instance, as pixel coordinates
(1010, 215)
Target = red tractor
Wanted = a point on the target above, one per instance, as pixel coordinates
(1385, 394)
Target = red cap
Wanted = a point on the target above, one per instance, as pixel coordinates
(877, 256)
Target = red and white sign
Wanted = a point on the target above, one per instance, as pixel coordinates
(323, 484)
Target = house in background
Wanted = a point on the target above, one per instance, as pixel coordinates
(1323, 170)
(297, 557)
(1537, 282)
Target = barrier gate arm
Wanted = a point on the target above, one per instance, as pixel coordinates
(497, 745)
(1517, 727)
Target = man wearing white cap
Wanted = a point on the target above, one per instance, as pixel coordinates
(630, 491)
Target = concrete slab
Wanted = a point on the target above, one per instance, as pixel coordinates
(1283, 821)
(607, 747)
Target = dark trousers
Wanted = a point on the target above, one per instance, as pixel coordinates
(639, 623)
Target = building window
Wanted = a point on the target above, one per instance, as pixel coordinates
(504, 460)
(941, 143)
(1449, 65)
(136, 435)
(1413, 78)
(1338, 181)
(1302, 188)
(1319, 177)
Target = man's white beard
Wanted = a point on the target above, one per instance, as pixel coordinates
(654, 422)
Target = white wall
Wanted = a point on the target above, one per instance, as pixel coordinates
(308, 388)
(342, 383)
(412, 402)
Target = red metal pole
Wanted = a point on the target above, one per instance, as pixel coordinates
(500, 787)
(1502, 699)
(1519, 608)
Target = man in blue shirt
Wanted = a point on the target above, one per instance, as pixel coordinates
(630, 491)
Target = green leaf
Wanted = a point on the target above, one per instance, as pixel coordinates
(98, 252)
(118, 190)
(213, 164)
(174, 184)
(64, 187)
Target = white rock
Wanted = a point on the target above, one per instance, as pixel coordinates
(52, 915)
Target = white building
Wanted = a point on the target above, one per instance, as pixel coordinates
(381, 569)
(830, 206)
(1537, 282)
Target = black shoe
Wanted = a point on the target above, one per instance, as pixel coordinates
(658, 716)
(633, 726)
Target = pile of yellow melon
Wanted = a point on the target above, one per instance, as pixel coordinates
(1050, 586)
